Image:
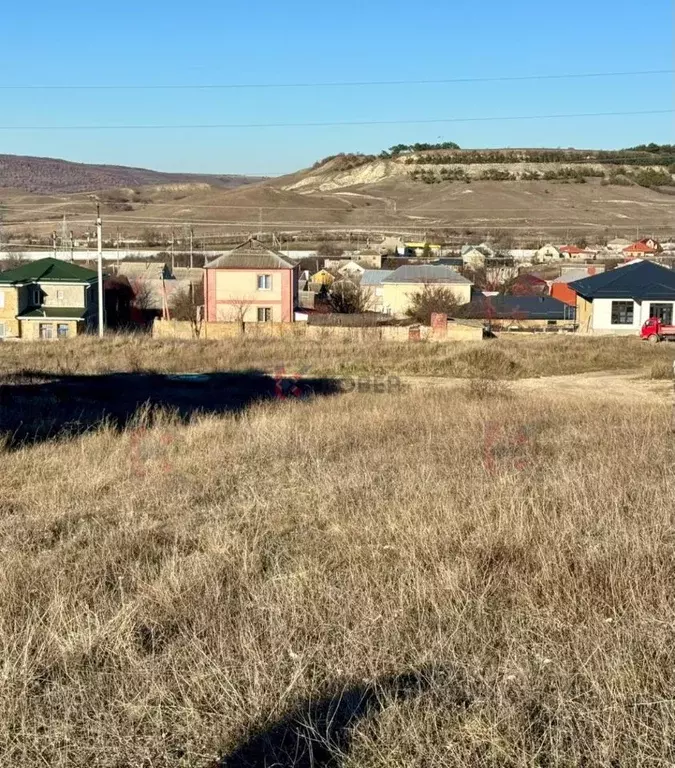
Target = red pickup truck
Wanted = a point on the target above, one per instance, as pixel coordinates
(654, 330)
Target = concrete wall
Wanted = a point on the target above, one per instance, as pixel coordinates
(177, 329)
(396, 297)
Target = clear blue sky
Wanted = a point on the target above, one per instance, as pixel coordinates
(229, 41)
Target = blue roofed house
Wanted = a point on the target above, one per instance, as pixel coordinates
(507, 311)
(622, 300)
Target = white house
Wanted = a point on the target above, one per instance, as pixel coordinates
(622, 300)
(475, 256)
(351, 269)
(546, 253)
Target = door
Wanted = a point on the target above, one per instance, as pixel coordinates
(664, 312)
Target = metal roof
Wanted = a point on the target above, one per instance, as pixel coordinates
(572, 275)
(507, 307)
(49, 270)
(251, 255)
(449, 261)
(426, 273)
(148, 270)
(375, 276)
(642, 280)
(53, 313)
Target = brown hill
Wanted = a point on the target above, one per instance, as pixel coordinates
(44, 175)
(528, 195)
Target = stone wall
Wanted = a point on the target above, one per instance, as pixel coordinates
(179, 329)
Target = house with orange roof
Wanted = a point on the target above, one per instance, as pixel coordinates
(641, 248)
(572, 252)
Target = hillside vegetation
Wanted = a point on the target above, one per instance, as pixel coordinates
(46, 175)
(332, 582)
(650, 165)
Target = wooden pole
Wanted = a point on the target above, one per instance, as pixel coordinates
(672, 422)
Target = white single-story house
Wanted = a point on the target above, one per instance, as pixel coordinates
(546, 253)
(403, 283)
(622, 300)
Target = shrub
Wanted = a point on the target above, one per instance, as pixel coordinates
(432, 299)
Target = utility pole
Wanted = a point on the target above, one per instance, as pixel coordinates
(99, 248)
(173, 261)
(54, 244)
(72, 245)
(192, 233)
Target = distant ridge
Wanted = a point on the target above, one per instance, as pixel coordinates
(46, 175)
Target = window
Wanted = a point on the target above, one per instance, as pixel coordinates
(62, 330)
(264, 282)
(664, 312)
(264, 314)
(37, 295)
(622, 313)
(3, 330)
(46, 330)
(59, 295)
(2, 299)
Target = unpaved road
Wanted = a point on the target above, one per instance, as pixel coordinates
(633, 385)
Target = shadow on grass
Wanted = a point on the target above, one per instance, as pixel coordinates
(36, 407)
(317, 734)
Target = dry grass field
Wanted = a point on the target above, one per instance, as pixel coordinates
(408, 579)
(508, 357)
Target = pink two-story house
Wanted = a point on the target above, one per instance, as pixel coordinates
(250, 284)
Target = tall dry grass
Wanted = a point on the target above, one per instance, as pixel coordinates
(509, 357)
(163, 592)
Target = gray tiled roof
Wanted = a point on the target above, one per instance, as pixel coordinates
(194, 274)
(426, 273)
(148, 270)
(375, 276)
(572, 275)
(507, 307)
(251, 255)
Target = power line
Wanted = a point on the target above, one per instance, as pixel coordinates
(336, 84)
(196, 126)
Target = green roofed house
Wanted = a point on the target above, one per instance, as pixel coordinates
(47, 299)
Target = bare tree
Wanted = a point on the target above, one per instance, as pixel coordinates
(142, 294)
(187, 304)
(347, 298)
(240, 308)
(430, 300)
(14, 259)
